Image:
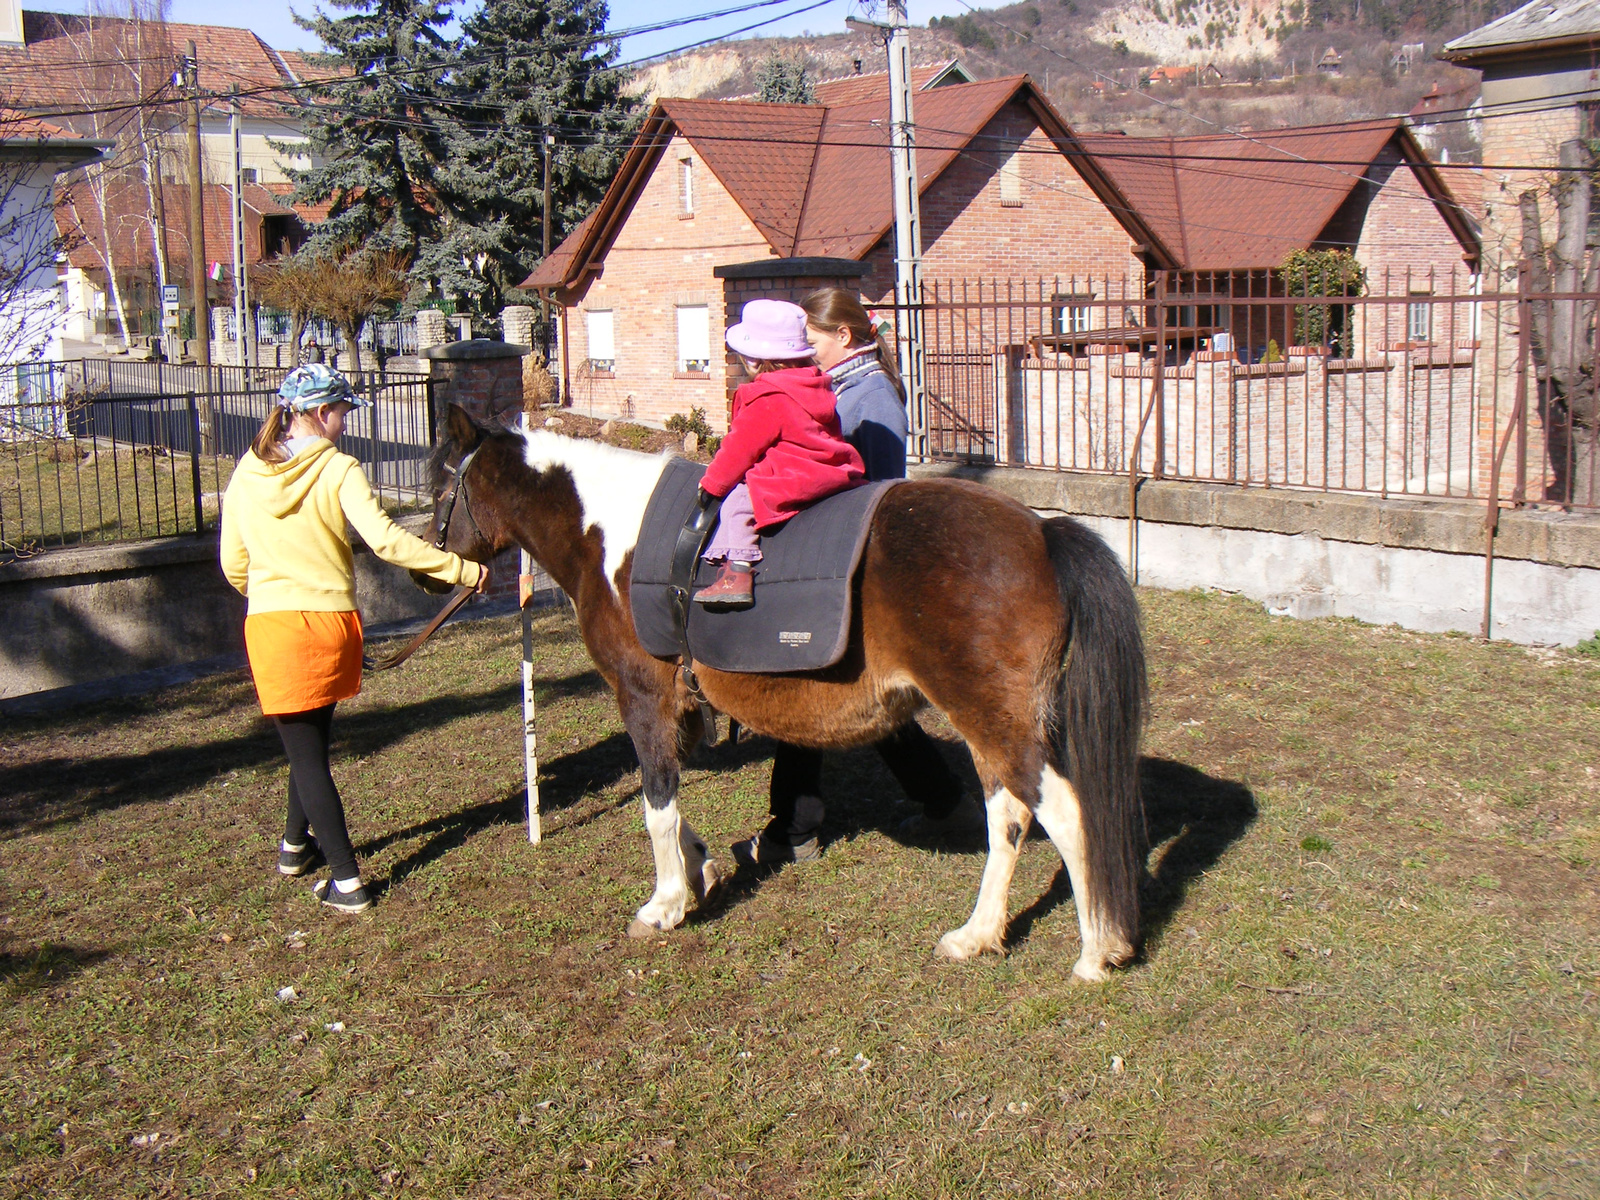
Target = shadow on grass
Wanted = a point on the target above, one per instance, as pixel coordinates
(1201, 816)
(47, 966)
(564, 781)
(63, 789)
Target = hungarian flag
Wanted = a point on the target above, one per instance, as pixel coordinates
(216, 271)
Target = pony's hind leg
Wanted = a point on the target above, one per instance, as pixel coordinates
(1061, 817)
(985, 929)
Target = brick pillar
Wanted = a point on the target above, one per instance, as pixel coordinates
(481, 376)
(485, 378)
(776, 279)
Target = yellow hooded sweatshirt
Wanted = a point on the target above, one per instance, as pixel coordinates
(284, 543)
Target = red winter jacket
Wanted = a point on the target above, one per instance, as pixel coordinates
(784, 443)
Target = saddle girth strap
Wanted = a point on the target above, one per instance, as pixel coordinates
(686, 552)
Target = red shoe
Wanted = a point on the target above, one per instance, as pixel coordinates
(733, 588)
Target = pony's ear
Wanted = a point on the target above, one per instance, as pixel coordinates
(463, 430)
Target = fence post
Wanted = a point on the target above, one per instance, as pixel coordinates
(1158, 389)
(194, 464)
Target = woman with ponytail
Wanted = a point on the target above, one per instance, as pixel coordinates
(871, 405)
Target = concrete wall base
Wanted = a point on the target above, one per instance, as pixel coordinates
(74, 617)
(1414, 563)
(1307, 577)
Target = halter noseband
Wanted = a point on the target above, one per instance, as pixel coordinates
(445, 508)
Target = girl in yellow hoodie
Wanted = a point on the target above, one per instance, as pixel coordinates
(285, 547)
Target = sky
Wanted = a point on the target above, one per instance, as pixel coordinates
(276, 26)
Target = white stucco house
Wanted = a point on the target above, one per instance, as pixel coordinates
(32, 314)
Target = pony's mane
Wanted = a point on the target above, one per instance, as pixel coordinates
(547, 448)
(614, 485)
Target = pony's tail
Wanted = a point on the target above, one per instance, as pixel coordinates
(1100, 714)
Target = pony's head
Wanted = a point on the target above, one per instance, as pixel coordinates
(464, 521)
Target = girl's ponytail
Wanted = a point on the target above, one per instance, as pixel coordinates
(268, 442)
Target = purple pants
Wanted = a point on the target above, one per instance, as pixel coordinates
(735, 538)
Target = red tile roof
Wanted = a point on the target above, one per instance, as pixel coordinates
(813, 179)
(67, 60)
(78, 217)
(853, 89)
(1231, 202)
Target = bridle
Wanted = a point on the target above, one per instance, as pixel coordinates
(444, 508)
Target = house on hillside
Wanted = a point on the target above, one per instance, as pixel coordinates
(720, 200)
(94, 70)
(1225, 210)
(32, 154)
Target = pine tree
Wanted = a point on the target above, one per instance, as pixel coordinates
(781, 80)
(384, 134)
(528, 66)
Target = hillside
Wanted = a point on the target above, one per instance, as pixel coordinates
(1094, 59)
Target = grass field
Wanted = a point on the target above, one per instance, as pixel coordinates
(1371, 969)
(68, 491)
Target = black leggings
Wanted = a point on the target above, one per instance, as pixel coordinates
(909, 753)
(314, 803)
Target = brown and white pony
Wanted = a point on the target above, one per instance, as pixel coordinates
(1023, 632)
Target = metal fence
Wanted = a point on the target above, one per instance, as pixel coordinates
(1436, 385)
(92, 451)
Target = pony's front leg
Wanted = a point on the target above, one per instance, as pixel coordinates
(682, 864)
(985, 930)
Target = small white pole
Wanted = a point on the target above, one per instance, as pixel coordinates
(530, 737)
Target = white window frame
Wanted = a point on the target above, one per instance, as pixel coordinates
(1072, 311)
(694, 338)
(600, 334)
(686, 185)
(1011, 181)
(1419, 318)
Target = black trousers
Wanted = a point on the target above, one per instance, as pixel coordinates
(314, 802)
(795, 798)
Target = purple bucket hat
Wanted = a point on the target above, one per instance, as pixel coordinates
(771, 329)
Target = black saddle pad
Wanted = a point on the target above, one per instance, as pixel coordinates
(801, 617)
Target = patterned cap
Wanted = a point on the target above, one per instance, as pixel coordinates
(304, 388)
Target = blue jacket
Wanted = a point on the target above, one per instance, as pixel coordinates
(871, 415)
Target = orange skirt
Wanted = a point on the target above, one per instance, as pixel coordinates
(303, 660)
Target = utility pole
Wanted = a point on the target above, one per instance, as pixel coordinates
(197, 242)
(907, 220)
(241, 300)
(544, 252)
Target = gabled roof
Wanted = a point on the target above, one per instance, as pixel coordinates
(1534, 29)
(1223, 202)
(78, 218)
(813, 179)
(64, 62)
(852, 89)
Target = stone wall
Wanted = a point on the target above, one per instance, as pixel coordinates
(1415, 563)
(76, 616)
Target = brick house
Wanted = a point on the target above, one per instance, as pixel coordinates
(1227, 209)
(94, 72)
(717, 201)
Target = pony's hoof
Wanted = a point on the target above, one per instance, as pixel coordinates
(1084, 971)
(639, 930)
(712, 884)
(959, 946)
